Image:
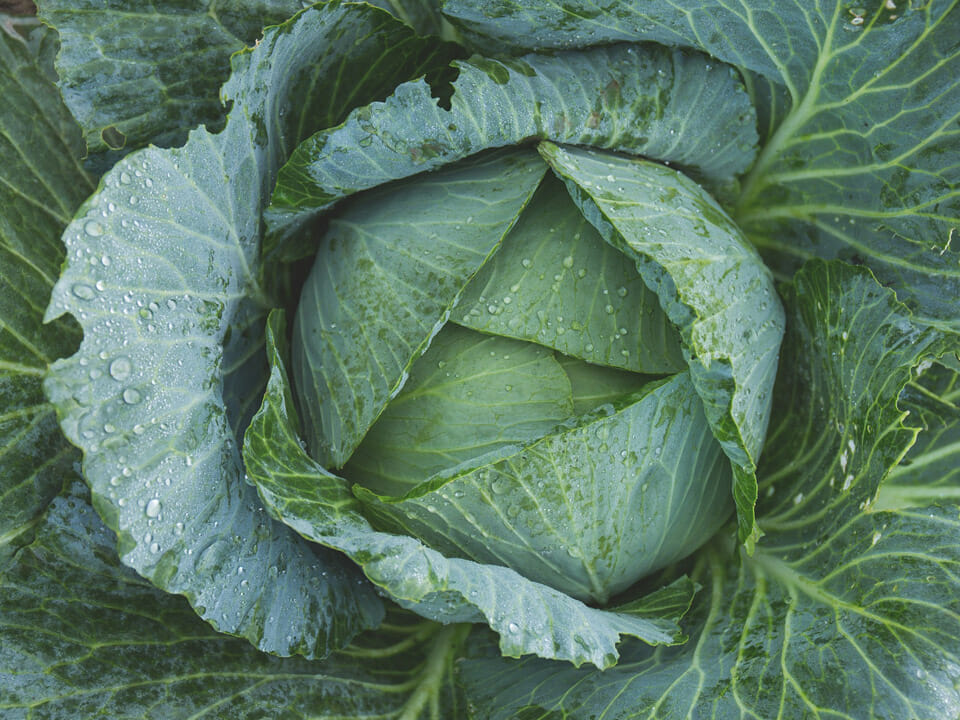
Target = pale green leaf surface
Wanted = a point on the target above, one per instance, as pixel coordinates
(554, 281)
(848, 613)
(594, 385)
(468, 395)
(161, 274)
(41, 184)
(638, 99)
(528, 617)
(81, 636)
(711, 284)
(863, 162)
(386, 276)
(134, 73)
(642, 482)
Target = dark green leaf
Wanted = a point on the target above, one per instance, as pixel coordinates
(41, 184)
(135, 73)
(83, 637)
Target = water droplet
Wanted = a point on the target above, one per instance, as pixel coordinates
(132, 396)
(154, 548)
(84, 292)
(568, 261)
(93, 228)
(172, 304)
(125, 178)
(153, 508)
(608, 309)
(513, 627)
(622, 291)
(526, 262)
(121, 368)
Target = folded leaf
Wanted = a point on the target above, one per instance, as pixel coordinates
(638, 99)
(554, 281)
(711, 284)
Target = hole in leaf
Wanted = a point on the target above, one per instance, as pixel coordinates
(441, 84)
(113, 138)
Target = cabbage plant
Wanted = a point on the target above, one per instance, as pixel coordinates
(480, 360)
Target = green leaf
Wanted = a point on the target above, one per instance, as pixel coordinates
(135, 73)
(843, 610)
(468, 395)
(41, 184)
(643, 482)
(862, 164)
(595, 385)
(638, 99)
(528, 617)
(554, 281)
(385, 278)
(930, 473)
(84, 637)
(422, 15)
(711, 284)
(162, 276)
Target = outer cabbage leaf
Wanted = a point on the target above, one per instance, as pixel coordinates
(711, 284)
(639, 99)
(863, 164)
(134, 73)
(528, 617)
(161, 274)
(84, 637)
(41, 184)
(844, 610)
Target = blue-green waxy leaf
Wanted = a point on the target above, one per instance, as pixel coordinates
(386, 277)
(554, 281)
(860, 158)
(711, 284)
(41, 184)
(844, 610)
(84, 637)
(133, 72)
(638, 99)
(527, 616)
(643, 482)
(468, 395)
(161, 273)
